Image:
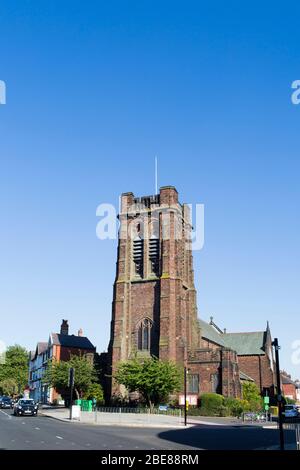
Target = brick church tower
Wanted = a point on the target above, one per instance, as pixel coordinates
(154, 309)
(154, 304)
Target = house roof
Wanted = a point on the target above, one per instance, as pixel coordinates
(246, 377)
(287, 380)
(72, 341)
(41, 347)
(245, 344)
(210, 333)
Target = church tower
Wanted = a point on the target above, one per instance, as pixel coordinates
(154, 301)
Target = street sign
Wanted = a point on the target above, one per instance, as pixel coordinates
(192, 398)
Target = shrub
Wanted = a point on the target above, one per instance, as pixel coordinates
(212, 403)
(235, 406)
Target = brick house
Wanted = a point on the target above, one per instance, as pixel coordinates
(154, 309)
(60, 347)
(289, 387)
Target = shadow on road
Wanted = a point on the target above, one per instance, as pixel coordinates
(226, 438)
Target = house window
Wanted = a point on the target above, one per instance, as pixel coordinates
(138, 249)
(144, 335)
(193, 383)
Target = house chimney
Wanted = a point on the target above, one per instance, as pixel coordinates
(80, 332)
(64, 329)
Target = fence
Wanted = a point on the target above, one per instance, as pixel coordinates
(140, 410)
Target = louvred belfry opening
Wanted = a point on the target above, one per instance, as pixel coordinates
(138, 249)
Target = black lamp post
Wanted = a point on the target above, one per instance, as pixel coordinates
(279, 394)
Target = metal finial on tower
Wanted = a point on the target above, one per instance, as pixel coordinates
(156, 176)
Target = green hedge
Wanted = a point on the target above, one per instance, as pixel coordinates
(212, 403)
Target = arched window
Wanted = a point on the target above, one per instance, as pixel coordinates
(144, 335)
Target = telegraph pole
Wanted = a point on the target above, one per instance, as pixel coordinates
(279, 394)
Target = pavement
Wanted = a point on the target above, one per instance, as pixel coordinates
(45, 433)
(144, 419)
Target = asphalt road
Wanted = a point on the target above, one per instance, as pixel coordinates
(42, 433)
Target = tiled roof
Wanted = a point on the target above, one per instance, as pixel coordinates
(72, 341)
(287, 380)
(42, 347)
(210, 333)
(245, 344)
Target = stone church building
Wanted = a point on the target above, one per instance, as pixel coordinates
(154, 309)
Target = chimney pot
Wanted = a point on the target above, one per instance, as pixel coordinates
(80, 332)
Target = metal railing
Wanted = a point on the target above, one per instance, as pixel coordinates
(139, 410)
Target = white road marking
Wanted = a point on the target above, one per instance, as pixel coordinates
(37, 429)
(88, 445)
(8, 416)
(42, 442)
(59, 437)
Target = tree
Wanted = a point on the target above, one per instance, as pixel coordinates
(57, 374)
(155, 380)
(252, 396)
(95, 391)
(8, 387)
(15, 366)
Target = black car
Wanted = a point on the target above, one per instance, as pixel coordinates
(25, 407)
(5, 402)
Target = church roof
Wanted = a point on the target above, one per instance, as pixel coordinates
(210, 333)
(246, 344)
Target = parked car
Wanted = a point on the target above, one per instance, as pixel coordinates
(5, 402)
(25, 407)
(291, 411)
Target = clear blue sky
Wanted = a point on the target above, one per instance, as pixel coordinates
(94, 90)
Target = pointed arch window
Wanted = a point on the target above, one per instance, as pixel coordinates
(144, 335)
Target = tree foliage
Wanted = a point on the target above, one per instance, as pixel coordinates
(15, 367)
(252, 395)
(155, 380)
(57, 374)
(95, 391)
(8, 387)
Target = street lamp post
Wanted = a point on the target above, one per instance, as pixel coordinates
(279, 394)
